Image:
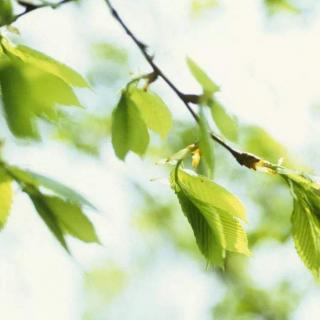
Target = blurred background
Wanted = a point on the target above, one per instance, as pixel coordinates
(265, 56)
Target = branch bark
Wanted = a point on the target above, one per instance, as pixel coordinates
(29, 7)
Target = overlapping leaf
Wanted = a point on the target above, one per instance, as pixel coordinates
(129, 131)
(32, 86)
(45, 63)
(153, 110)
(213, 213)
(36, 180)
(61, 212)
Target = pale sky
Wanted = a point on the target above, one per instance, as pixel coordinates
(269, 76)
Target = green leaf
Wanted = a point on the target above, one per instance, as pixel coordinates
(306, 236)
(6, 12)
(6, 196)
(205, 237)
(48, 216)
(71, 219)
(209, 87)
(226, 123)
(45, 63)
(129, 132)
(27, 93)
(205, 144)
(37, 180)
(210, 193)
(153, 110)
(210, 207)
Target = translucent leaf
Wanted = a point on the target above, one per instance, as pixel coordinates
(210, 193)
(205, 144)
(49, 217)
(129, 132)
(71, 219)
(226, 123)
(31, 178)
(27, 93)
(204, 235)
(6, 195)
(153, 110)
(306, 235)
(205, 213)
(6, 12)
(209, 87)
(45, 63)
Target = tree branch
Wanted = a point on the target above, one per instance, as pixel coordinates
(243, 158)
(29, 7)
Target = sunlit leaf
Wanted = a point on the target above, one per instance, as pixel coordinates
(129, 131)
(219, 211)
(306, 235)
(205, 237)
(226, 123)
(27, 93)
(45, 63)
(210, 193)
(6, 195)
(153, 110)
(209, 87)
(305, 218)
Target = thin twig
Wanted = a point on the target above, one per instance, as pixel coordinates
(29, 7)
(243, 158)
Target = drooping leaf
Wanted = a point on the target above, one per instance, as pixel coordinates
(305, 217)
(206, 239)
(210, 207)
(306, 236)
(129, 131)
(27, 93)
(71, 219)
(205, 144)
(37, 180)
(49, 217)
(226, 123)
(153, 110)
(208, 85)
(45, 63)
(6, 196)
(6, 12)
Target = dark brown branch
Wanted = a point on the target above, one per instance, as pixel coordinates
(29, 7)
(243, 158)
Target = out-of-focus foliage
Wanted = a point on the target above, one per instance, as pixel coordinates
(6, 12)
(275, 6)
(58, 206)
(42, 83)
